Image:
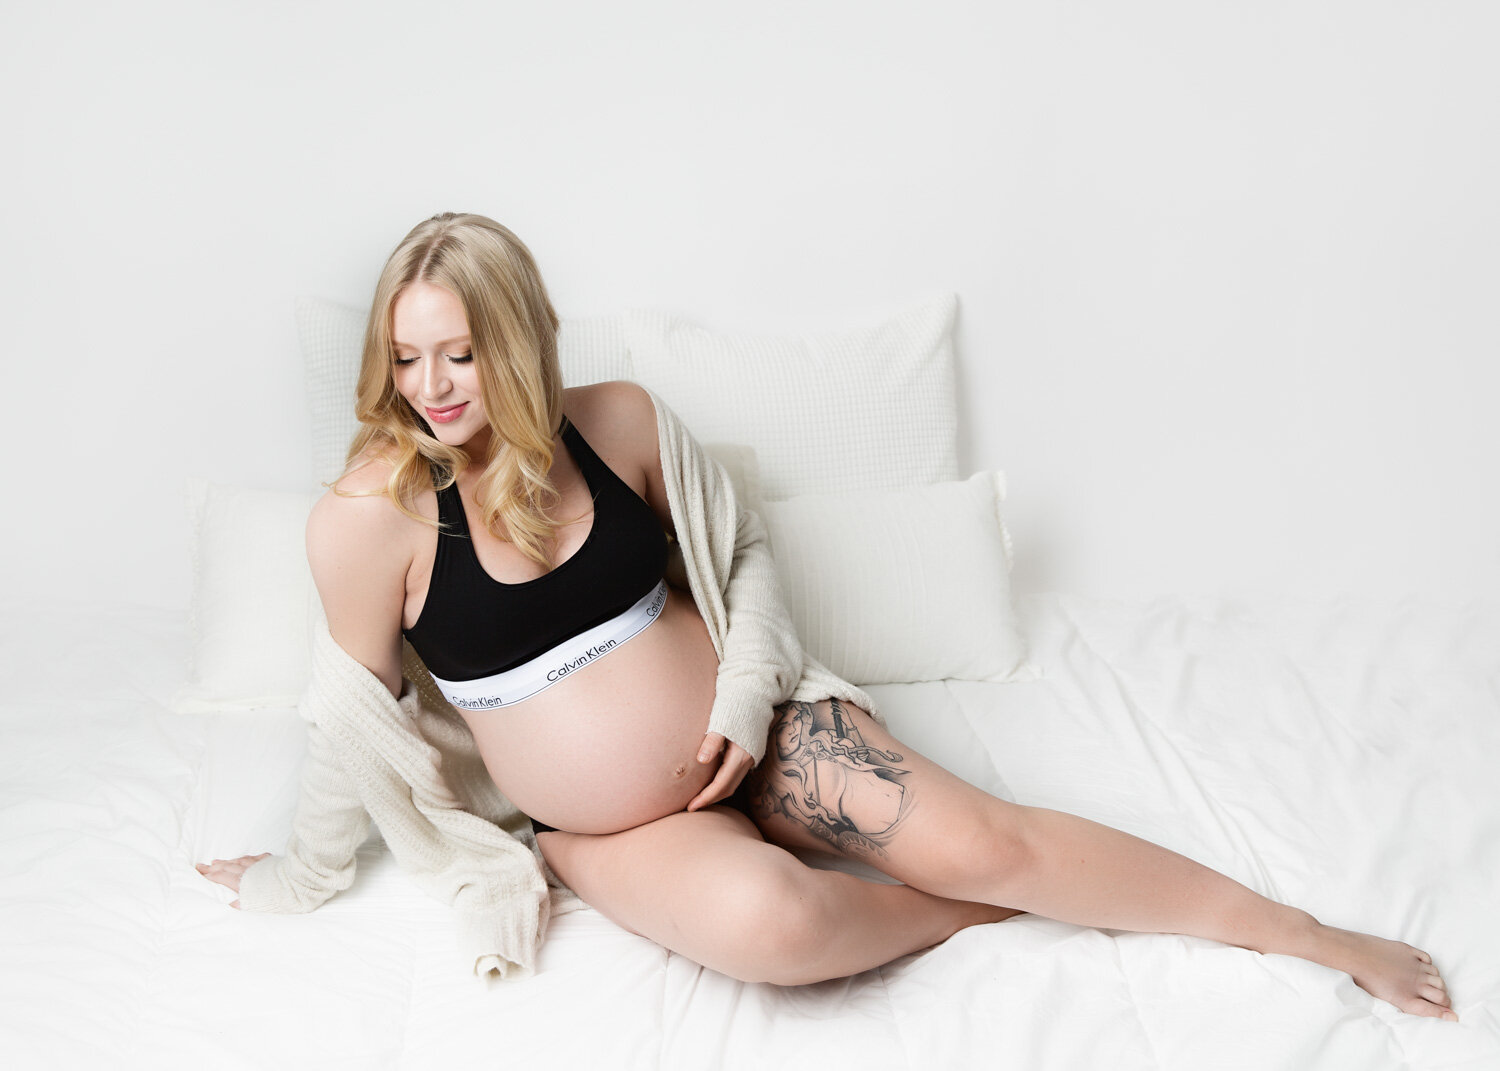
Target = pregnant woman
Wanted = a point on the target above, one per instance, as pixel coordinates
(668, 744)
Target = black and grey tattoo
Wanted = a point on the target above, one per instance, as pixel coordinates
(824, 777)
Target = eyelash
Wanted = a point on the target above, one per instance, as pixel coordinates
(465, 359)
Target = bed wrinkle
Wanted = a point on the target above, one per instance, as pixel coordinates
(894, 1016)
(1149, 731)
(1328, 713)
(412, 975)
(1396, 1045)
(662, 976)
(1135, 1007)
(148, 989)
(976, 745)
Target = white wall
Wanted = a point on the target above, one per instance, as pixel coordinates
(1227, 270)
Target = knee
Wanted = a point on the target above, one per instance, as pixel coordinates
(990, 850)
(777, 925)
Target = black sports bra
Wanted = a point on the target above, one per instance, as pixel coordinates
(474, 626)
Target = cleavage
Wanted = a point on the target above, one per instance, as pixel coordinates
(568, 541)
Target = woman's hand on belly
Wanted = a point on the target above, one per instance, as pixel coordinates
(734, 762)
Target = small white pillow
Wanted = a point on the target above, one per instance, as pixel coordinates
(331, 335)
(898, 586)
(253, 599)
(870, 408)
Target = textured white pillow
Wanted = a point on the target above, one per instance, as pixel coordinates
(253, 599)
(331, 335)
(857, 410)
(897, 586)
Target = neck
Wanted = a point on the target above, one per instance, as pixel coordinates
(477, 448)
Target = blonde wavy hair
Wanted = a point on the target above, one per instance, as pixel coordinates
(513, 331)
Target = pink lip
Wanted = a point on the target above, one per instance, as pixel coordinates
(443, 416)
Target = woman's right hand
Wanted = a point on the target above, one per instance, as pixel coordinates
(227, 871)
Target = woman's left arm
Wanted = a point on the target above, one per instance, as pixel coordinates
(762, 659)
(735, 584)
(761, 664)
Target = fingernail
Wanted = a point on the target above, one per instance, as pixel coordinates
(1450, 1017)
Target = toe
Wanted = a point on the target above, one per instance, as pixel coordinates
(1433, 994)
(1426, 1008)
(1423, 956)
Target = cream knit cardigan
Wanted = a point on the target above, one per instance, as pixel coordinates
(410, 763)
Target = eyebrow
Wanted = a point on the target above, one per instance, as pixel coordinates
(445, 342)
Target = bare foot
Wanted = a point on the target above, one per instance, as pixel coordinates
(1394, 972)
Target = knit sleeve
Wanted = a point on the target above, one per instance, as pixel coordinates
(762, 657)
(727, 558)
(329, 826)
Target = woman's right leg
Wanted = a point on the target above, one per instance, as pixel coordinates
(707, 885)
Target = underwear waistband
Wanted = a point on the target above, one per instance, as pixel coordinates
(546, 669)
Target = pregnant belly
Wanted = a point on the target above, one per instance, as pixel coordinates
(615, 744)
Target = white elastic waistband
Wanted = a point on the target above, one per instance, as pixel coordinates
(549, 667)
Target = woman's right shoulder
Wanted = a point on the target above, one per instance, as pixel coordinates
(361, 490)
(357, 514)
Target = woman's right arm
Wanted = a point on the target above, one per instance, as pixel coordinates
(355, 549)
(360, 550)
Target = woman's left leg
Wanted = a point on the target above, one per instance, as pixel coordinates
(834, 780)
(706, 885)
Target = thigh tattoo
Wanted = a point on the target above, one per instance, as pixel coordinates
(823, 776)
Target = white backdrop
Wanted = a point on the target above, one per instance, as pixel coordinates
(1227, 271)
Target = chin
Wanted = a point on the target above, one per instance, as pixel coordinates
(447, 434)
(472, 443)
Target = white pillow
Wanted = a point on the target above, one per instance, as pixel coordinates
(253, 599)
(868, 408)
(331, 335)
(898, 586)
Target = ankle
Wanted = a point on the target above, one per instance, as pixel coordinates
(1272, 929)
(1297, 933)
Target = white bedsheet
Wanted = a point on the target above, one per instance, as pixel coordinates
(1344, 758)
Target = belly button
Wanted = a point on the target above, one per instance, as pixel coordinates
(681, 770)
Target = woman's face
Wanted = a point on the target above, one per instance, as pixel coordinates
(433, 367)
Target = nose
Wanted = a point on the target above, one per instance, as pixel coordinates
(434, 379)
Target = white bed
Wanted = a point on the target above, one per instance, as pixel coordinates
(1338, 756)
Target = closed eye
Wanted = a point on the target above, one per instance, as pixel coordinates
(465, 359)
